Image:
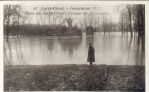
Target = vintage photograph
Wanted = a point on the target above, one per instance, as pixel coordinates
(70, 47)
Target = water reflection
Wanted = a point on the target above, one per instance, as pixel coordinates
(70, 45)
(110, 49)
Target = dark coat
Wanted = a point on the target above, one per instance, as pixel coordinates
(91, 56)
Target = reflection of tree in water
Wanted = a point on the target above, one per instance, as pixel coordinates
(12, 17)
(129, 48)
(135, 13)
(107, 39)
(130, 44)
(131, 25)
(50, 45)
(70, 45)
(89, 40)
(10, 51)
(19, 51)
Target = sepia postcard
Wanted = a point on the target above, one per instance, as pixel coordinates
(74, 46)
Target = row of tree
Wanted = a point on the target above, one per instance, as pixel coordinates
(132, 20)
(17, 23)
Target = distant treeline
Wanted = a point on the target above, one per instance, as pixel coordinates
(35, 29)
(17, 23)
(50, 30)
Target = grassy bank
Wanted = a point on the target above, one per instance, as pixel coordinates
(74, 77)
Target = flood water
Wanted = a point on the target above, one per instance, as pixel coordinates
(110, 49)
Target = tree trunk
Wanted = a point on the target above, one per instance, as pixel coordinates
(130, 20)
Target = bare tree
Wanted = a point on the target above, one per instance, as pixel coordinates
(130, 19)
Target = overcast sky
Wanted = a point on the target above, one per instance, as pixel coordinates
(110, 11)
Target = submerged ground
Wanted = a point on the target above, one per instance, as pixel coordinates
(74, 77)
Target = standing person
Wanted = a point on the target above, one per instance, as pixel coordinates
(91, 56)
